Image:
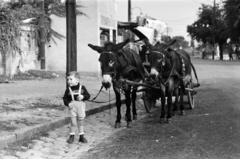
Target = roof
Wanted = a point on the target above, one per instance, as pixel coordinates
(132, 26)
(127, 25)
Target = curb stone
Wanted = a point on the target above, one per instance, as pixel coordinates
(29, 132)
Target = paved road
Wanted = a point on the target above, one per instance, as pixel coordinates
(54, 146)
(100, 126)
(210, 131)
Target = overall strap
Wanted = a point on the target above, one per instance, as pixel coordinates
(79, 91)
(71, 92)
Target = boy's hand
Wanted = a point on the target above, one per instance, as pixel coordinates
(70, 105)
(80, 97)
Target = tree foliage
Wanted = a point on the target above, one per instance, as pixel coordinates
(9, 30)
(232, 19)
(209, 24)
(12, 14)
(210, 27)
(25, 9)
(180, 41)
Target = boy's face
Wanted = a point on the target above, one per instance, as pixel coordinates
(72, 80)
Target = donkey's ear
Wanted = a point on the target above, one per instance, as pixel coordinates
(148, 44)
(169, 49)
(171, 43)
(96, 48)
(121, 45)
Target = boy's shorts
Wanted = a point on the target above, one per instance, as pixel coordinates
(77, 109)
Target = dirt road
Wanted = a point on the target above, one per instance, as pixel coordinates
(211, 130)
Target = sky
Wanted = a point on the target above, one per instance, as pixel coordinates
(177, 14)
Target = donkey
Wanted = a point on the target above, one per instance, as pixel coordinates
(117, 63)
(173, 72)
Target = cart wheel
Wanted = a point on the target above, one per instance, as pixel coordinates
(190, 96)
(149, 103)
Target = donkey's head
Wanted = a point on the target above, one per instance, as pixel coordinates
(157, 57)
(108, 60)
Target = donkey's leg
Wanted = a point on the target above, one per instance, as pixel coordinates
(118, 105)
(176, 92)
(163, 101)
(128, 105)
(169, 100)
(181, 102)
(134, 110)
(169, 107)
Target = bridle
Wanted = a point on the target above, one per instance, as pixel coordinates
(162, 62)
(161, 69)
(112, 63)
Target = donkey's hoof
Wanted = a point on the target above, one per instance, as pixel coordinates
(134, 117)
(117, 125)
(182, 112)
(129, 124)
(162, 120)
(125, 117)
(169, 120)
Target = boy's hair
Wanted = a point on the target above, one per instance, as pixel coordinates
(74, 73)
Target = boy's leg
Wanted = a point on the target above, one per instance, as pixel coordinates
(81, 115)
(81, 131)
(80, 126)
(73, 125)
(73, 121)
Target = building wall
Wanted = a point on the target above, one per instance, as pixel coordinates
(101, 18)
(25, 60)
(88, 32)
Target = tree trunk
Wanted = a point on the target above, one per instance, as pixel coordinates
(4, 64)
(42, 37)
(221, 50)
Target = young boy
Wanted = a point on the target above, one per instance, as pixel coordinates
(74, 98)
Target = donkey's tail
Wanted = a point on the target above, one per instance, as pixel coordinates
(195, 73)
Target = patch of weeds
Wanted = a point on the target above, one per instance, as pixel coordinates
(8, 108)
(46, 104)
(22, 105)
(12, 102)
(30, 121)
(6, 126)
(23, 145)
(12, 125)
(35, 74)
(14, 105)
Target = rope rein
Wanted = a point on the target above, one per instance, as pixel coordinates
(92, 100)
(109, 105)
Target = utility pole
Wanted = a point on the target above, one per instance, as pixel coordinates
(71, 35)
(42, 36)
(129, 11)
(214, 26)
(131, 36)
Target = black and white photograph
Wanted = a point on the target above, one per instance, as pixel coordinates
(119, 79)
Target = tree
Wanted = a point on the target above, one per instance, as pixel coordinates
(232, 18)
(181, 42)
(9, 30)
(25, 9)
(210, 27)
(12, 13)
(192, 44)
(166, 38)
